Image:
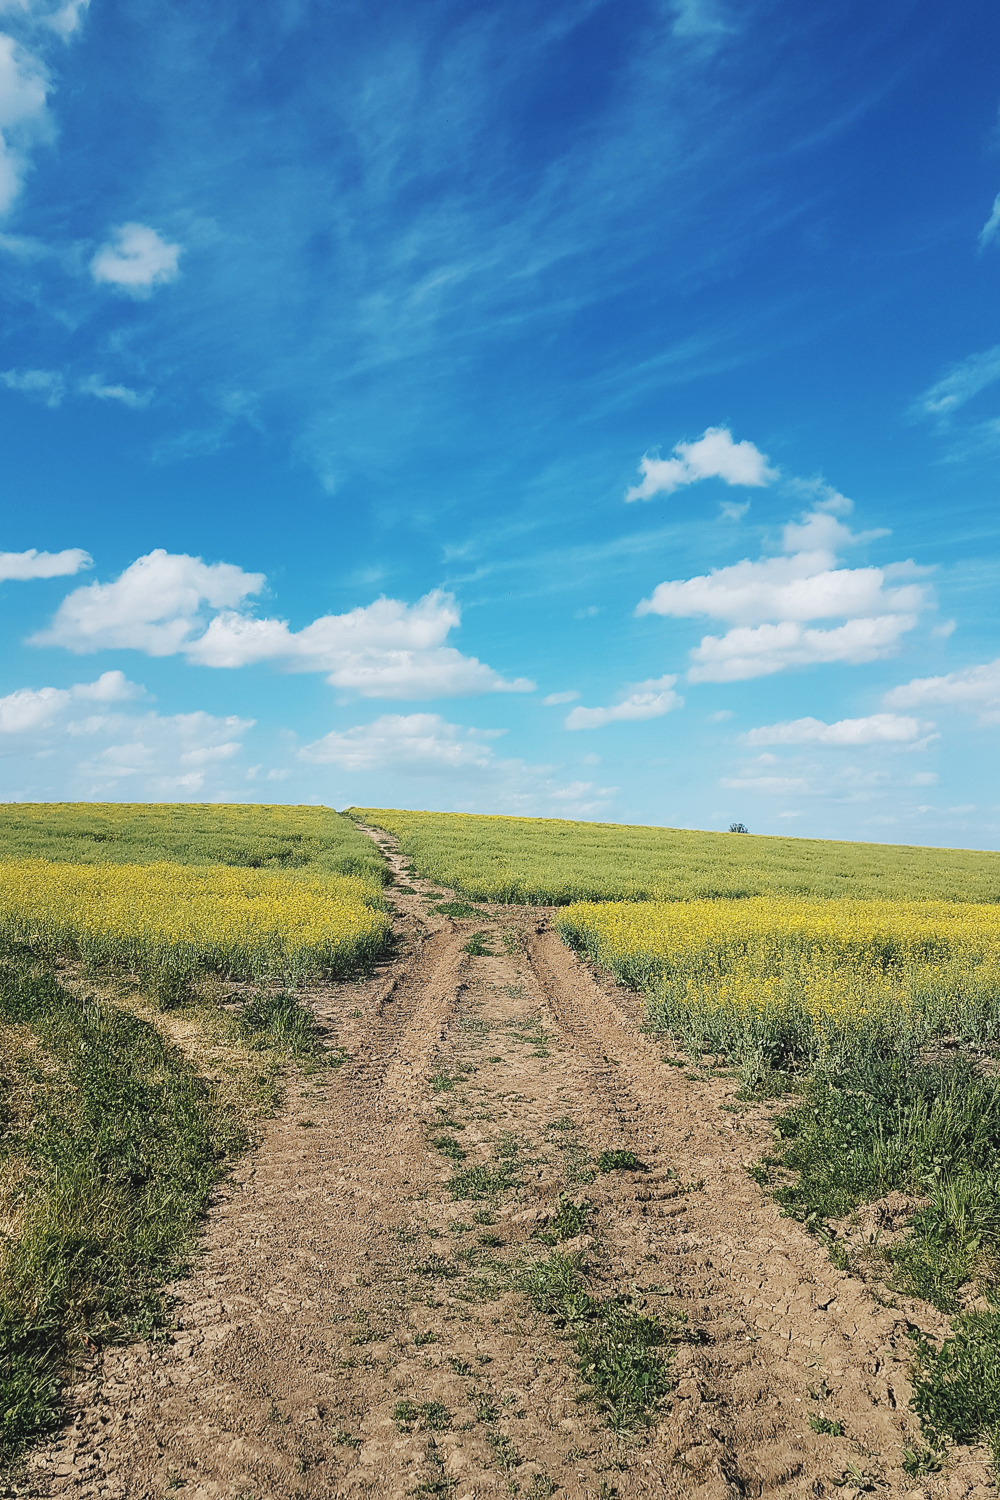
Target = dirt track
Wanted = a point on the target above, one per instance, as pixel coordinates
(340, 1278)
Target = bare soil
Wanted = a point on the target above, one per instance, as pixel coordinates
(352, 1328)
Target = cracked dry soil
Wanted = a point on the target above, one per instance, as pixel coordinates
(350, 1328)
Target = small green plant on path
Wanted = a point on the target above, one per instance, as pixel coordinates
(620, 1161)
(478, 946)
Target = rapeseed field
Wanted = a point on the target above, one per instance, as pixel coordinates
(196, 833)
(170, 923)
(793, 980)
(551, 861)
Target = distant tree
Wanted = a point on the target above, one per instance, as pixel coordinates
(738, 828)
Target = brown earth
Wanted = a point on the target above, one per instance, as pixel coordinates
(352, 1327)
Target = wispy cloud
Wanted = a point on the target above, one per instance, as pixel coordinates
(48, 386)
(960, 383)
(988, 232)
(974, 689)
(648, 700)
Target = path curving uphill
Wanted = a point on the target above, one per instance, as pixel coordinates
(354, 1325)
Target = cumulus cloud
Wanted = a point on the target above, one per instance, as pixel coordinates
(568, 697)
(154, 606)
(648, 700)
(33, 564)
(135, 259)
(166, 603)
(761, 651)
(960, 383)
(876, 729)
(387, 649)
(48, 386)
(973, 690)
(713, 456)
(769, 602)
(29, 709)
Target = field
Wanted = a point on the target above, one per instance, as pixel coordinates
(128, 1083)
(551, 862)
(798, 981)
(249, 837)
(561, 1199)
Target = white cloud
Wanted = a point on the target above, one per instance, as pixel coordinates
(744, 652)
(470, 775)
(649, 700)
(698, 18)
(567, 697)
(961, 383)
(29, 709)
(24, 118)
(154, 752)
(768, 786)
(417, 743)
(770, 600)
(873, 730)
(135, 259)
(988, 232)
(387, 649)
(154, 606)
(971, 690)
(48, 385)
(93, 385)
(33, 564)
(713, 456)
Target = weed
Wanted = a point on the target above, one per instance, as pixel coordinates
(566, 1223)
(540, 1488)
(459, 1365)
(919, 1460)
(431, 1416)
(281, 1022)
(443, 1083)
(490, 1241)
(428, 1337)
(457, 909)
(448, 1146)
(479, 1183)
(825, 1425)
(619, 1347)
(437, 1267)
(478, 946)
(620, 1161)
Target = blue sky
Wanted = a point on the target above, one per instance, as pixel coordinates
(583, 410)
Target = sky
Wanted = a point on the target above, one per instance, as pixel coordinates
(583, 410)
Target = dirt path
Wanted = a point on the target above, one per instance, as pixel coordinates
(352, 1328)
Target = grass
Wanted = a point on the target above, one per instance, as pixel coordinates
(197, 833)
(111, 1146)
(551, 861)
(622, 1352)
(932, 1129)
